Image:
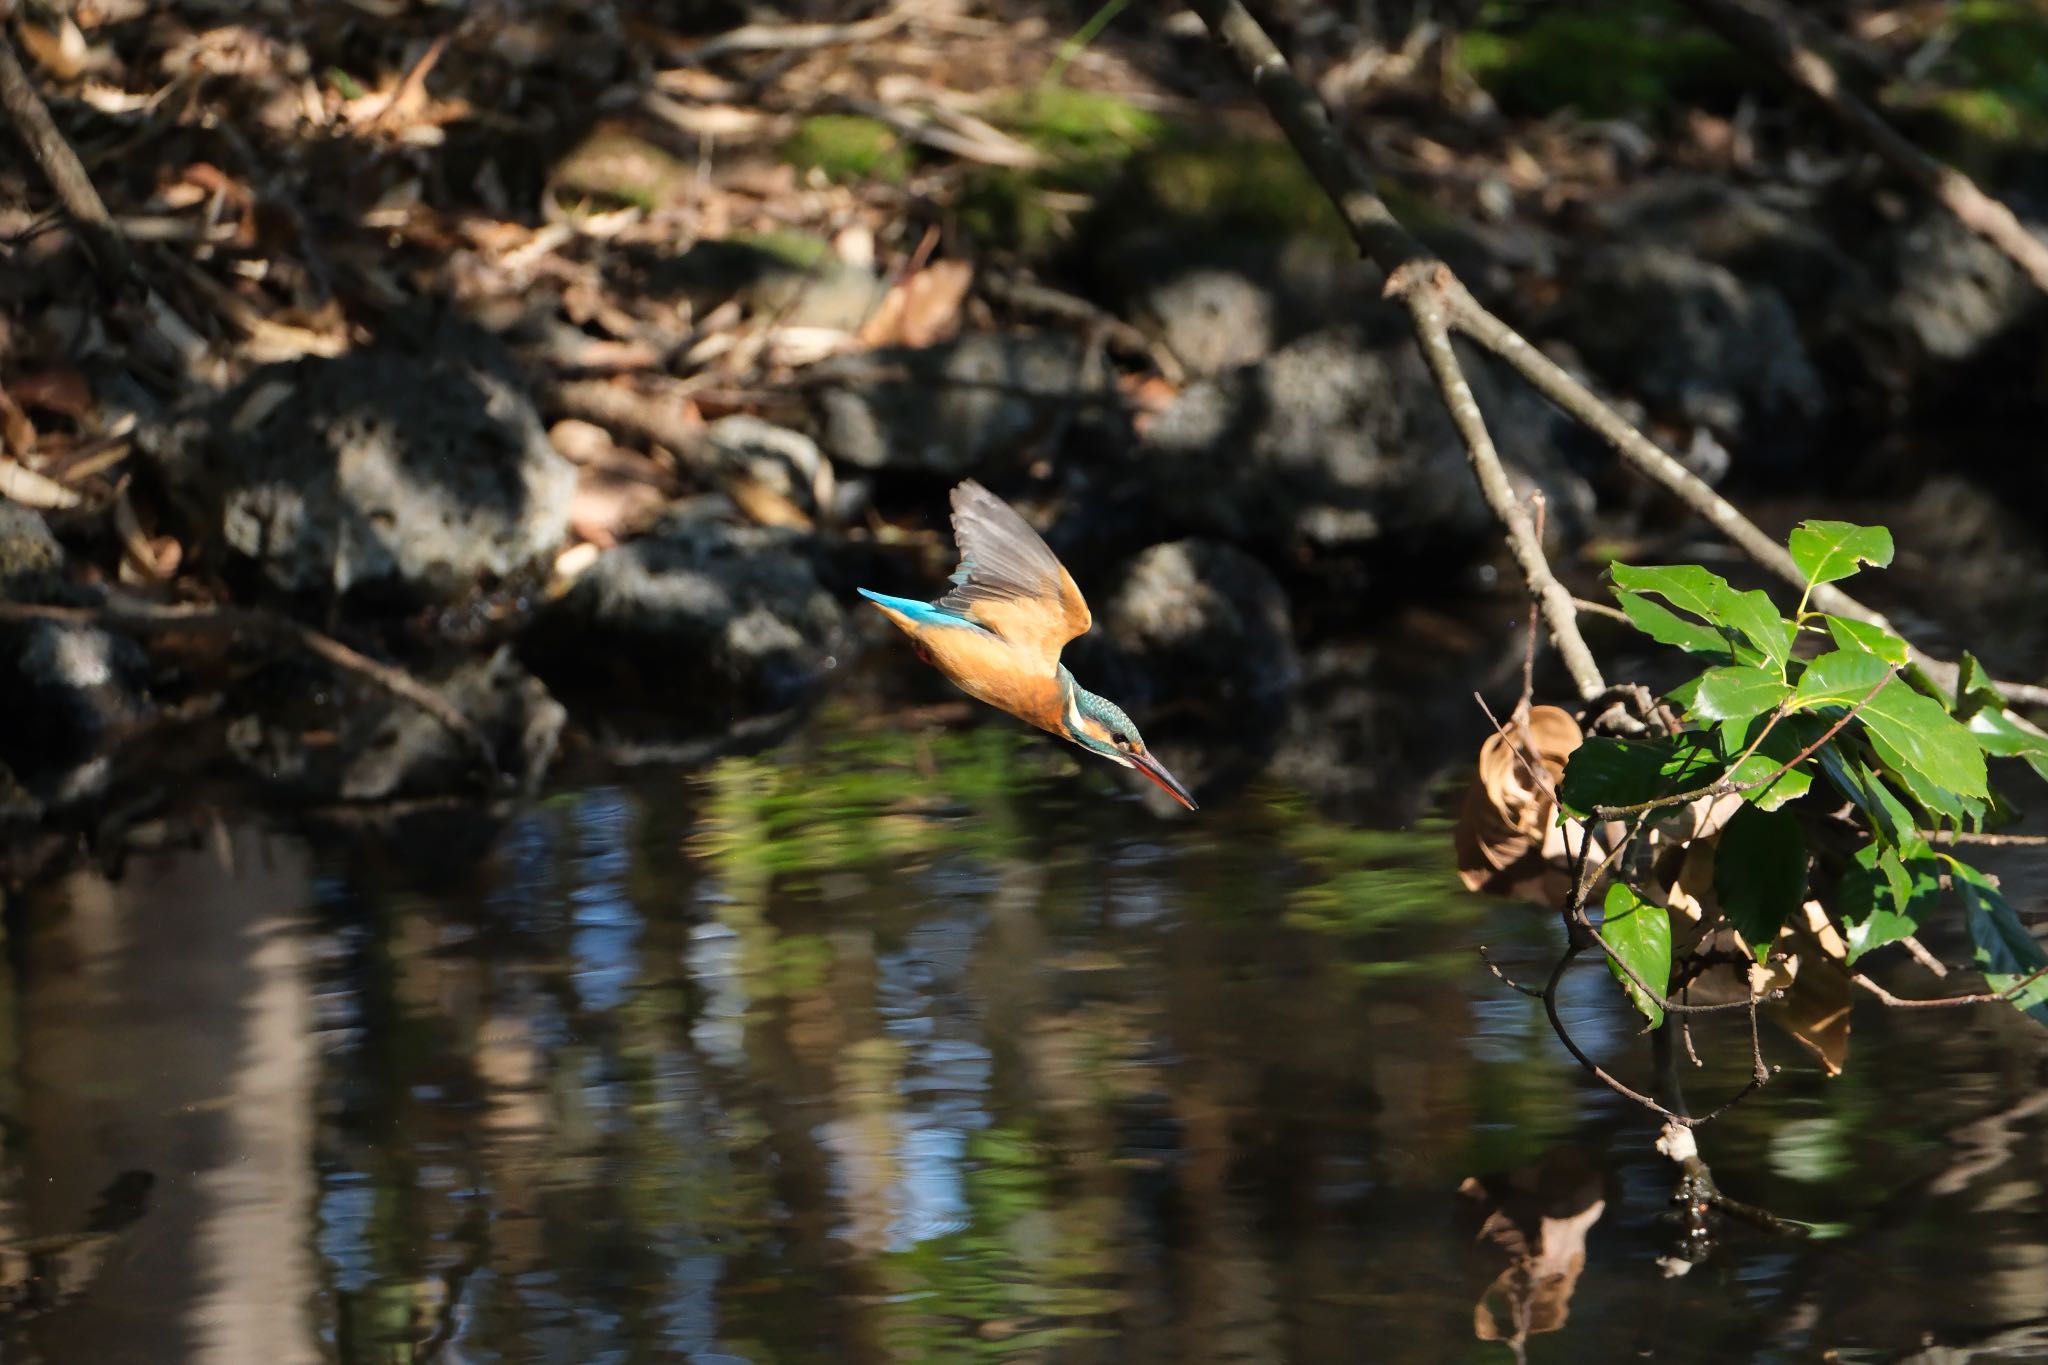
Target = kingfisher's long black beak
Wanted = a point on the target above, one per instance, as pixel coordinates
(1166, 781)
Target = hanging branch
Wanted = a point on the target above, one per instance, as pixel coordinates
(1763, 29)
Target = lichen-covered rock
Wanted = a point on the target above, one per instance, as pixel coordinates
(1693, 341)
(31, 560)
(71, 693)
(417, 468)
(1340, 442)
(710, 621)
(977, 404)
(1953, 291)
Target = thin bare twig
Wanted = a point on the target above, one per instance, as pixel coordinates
(793, 37)
(2009, 994)
(1963, 836)
(59, 164)
(1417, 287)
(1762, 28)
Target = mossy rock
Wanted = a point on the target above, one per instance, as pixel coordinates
(1255, 185)
(1079, 128)
(847, 148)
(1085, 136)
(1603, 61)
(1989, 93)
(615, 167)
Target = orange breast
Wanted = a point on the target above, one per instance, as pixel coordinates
(986, 668)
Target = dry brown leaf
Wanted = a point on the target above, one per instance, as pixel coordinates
(610, 507)
(60, 390)
(1505, 825)
(61, 52)
(16, 430)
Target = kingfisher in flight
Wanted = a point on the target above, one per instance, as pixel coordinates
(997, 635)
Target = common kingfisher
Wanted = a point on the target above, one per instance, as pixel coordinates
(997, 635)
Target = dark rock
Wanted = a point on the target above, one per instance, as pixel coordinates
(418, 467)
(1195, 639)
(1694, 342)
(1953, 293)
(31, 560)
(1195, 622)
(384, 746)
(1974, 573)
(977, 404)
(1766, 236)
(1340, 441)
(757, 455)
(71, 693)
(710, 622)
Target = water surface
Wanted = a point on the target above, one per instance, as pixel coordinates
(928, 1046)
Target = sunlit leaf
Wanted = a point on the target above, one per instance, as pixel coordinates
(1737, 693)
(1756, 618)
(1999, 735)
(1910, 731)
(1826, 551)
(1862, 635)
(1685, 586)
(1666, 627)
(2006, 952)
(1885, 896)
(1778, 748)
(1760, 874)
(1640, 935)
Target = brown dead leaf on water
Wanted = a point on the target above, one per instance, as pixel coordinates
(1506, 833)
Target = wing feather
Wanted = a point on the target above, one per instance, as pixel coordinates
(1010, 580)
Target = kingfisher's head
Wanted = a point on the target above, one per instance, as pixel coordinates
(1100, 726)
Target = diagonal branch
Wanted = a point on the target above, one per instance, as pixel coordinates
(1553, 599)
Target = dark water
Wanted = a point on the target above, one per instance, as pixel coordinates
(894, 1047)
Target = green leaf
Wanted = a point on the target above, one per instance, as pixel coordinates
(1737, 693)
(1640, 935)
(1910, 731)
(1829, 550)
(1999, 735)
(1685, 586)
(1974, 689)
(1841, 678)
(1779, 747)
(1615, 772)
(1886, 895)
(1854, 635)
(2006, 952)
(1667, 628)
(1760, 874)
(1853, 778)
(1756, 618)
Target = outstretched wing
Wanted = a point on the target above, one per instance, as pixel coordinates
(1009, 580)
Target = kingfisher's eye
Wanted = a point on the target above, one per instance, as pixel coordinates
(1122, 742)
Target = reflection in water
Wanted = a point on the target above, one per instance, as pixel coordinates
(885, 1049)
